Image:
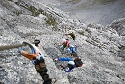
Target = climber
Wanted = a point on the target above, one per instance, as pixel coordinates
(72, 35)
(37, 59)
(70, 49)
(65, 47)
(65, 44)
(71, 63)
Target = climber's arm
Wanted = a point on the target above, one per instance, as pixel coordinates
(65, 59)
(29, 56)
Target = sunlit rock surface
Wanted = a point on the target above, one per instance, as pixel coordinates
(101, 48)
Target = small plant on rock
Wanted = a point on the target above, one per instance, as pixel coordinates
(34, 11)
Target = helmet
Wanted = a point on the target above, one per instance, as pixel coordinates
(71, 31)
(64, 40)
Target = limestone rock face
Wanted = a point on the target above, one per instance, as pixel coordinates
(119, 26)
(101, 48)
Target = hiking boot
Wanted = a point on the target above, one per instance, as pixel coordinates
(49, 81)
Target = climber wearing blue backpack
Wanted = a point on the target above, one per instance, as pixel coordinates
(71, 63)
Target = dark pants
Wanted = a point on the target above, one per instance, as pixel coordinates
(40, 67)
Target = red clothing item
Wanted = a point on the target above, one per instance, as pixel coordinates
(66, 44)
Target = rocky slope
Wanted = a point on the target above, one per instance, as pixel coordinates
(101, 48)
(92, 11)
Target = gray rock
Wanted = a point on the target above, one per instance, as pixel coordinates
(119, 26)
(100, 48)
